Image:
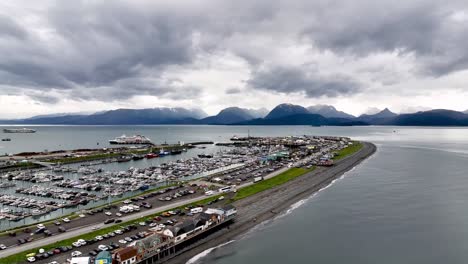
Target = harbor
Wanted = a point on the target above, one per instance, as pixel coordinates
(60, 187)
(268, 161)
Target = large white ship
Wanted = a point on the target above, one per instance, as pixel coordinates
(18, 130)
(131, 140)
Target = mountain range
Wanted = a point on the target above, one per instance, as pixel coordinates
(283, 114)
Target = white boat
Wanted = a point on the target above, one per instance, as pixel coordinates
(131, 140)
(18, 130)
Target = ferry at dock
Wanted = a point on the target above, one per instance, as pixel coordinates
(131, 140)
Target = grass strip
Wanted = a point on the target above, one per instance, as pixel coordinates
(270, 183)
(351, 149)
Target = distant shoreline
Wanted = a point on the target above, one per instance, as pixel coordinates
(276, 201)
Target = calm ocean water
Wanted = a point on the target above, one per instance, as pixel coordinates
(406, 204)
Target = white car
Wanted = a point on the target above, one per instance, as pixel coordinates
(142, 223)
(40, 226)
(118, 214)
(76, 254)
(108, 213)
(82, 215)
(103, 247)
(123, 241)
(153, 224)
(53, 262)
(66, 220)
(127, 202)
(118, 232)
(81, 241)
(31, 259)
(99, 238)
(76, 244)
(2, 247)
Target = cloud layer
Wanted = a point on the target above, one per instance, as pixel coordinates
(214, 54)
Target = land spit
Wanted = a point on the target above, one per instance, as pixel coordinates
(269, 204)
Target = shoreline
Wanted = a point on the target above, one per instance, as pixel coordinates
(275, 201)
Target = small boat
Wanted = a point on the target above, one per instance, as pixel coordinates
(176, 151)
(124, 159)
(208, 156)
(163, 153)
(151, 155)
(137, 157)
(6, 139)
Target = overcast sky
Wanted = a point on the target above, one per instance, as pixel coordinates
(82, 56)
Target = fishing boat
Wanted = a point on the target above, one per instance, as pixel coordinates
(124, 159)
(6, 139)
(176, 151)
(151, 155)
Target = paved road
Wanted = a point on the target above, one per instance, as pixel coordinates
(87, 229)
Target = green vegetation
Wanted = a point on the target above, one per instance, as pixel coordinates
(84, 158)
(98, 156)
(21, 165)
(270, 183)
(355, 147)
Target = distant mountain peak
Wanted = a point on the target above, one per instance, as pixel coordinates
(229, 115)
(385, 113)
(286, 109)
(328, 111)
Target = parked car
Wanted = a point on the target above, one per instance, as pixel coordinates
(109, 221)
(103, 247)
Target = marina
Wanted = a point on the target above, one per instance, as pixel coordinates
(59, 190)
(246, 165)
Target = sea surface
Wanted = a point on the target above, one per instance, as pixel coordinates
(406, 204)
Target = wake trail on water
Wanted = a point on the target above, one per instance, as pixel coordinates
(199, 257)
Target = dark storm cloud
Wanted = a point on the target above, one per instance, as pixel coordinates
(113, 50)
(425, 29)
(97, 45)
(294, 79)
